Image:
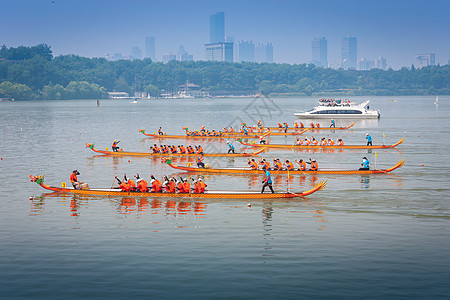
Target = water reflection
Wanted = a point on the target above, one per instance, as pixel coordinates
(267, 212)
(365, 180)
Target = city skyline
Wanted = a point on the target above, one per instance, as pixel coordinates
(395, 30)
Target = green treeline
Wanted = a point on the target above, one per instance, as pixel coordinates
(33, 73)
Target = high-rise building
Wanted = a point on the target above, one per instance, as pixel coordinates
(264, 53)
(136, 53)
(219, 51)
(150, 47)
(381, 63)
(319, 52)
(168, 57)
(217, 28)
(349, 53)
(183, 55)
(246, 51)
(366, 64)
(425, 60)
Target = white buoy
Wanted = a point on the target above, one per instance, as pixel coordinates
(249, 205)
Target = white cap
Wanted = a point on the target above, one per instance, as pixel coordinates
(228, 142)
(367, 134)
(200, 179)
(153, 180)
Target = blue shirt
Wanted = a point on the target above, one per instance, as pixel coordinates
(268, 178)
(369, 138)
(366, 163)
(231, 146)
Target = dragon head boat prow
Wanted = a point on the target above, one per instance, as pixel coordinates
(38, 179)
(89, 145)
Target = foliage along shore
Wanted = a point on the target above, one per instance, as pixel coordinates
(34, 73)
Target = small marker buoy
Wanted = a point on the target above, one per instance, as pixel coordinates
(422, 165)
(1, 158)
(31, 198)
(128, 160)
(249, 205)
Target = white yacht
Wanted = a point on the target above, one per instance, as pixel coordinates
(340, 109)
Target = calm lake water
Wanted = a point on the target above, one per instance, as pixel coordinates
(363, 237)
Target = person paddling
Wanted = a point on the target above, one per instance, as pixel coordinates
(365, 164)
(114, 146)
(74, 180)
(314, 165)
(200, 162)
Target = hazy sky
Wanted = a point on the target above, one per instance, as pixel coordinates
(394, 29)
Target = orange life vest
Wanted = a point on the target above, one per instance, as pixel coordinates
(73, 177)
(314, 166)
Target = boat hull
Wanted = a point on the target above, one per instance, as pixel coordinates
(269, 146)
(294, 172)
(336, 116)
(144, 154)
(207, 194)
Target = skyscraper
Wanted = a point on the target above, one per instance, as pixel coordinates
(246, 51)
(183, 55)
(381, 63)
(319, 52)
(264, 53)
(136, 53)
(349, 53)
(218, 49)
(424, 60)
(217, 28)
(150, 47)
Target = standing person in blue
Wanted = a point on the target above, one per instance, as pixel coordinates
(231, 147)
(333, 124)
(369, 139)
(285, 127)
(365, 164)
(267, 181)
(244, 130)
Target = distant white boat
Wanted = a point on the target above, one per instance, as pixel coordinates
(436, 102)
(338, 109)
(134, 101)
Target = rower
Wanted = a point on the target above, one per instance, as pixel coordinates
(123, 185)
(267, 180)
(314, 142)
(302, 125)
(74, 180)
(369, 139)
(289, 165)
(200, 149)
(301, 165)
(130, 183)
(333, 124)
(155, 149)
(314, 165)
(142, 185)
(181, 149)
(307, 141)
(200, 163)
(186, 186)
(312, 125)
(323, 142)
(365, 164)
(202, 185)
(196, 186)
(277, 166)
(298, 142)
(230, 145)
(262, 140)
(330, 142)
(156, 185)
(340, 142)
(114, 146)
(180, 185)
(317, 125)
(253, 165)
(171, 187)
(160, 131)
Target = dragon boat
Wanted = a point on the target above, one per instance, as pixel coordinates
(235, 135)
(307, 128)
(293, 172)
(284, 146)
(208, 194)
(149, 154)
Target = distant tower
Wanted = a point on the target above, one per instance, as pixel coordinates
(269, 53)
(349, 53)
(381, 63)
(217, 28)
(246, 51)
(319, 52)
(150, 47)
(218, 49)
(183, 55)
(425, 60)
(136, 53)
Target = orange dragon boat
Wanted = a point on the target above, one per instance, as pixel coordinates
(208, 194)
(284, 146)
(235, 135)
(310, 128)
(293, 172)
(149, 154)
